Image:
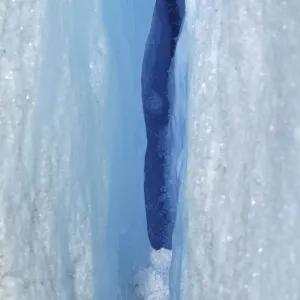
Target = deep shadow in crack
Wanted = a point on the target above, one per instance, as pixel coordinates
(156, 73)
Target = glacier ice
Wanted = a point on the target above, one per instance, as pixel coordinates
(72, 218)
(72, 143)
(239, 201)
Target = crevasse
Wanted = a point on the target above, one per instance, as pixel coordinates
(72, 144)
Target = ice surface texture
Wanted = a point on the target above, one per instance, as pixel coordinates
(72, 216)
(239, 214)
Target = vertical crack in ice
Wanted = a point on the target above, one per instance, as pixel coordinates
(157, 97)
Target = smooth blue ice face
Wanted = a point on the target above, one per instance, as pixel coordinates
(159, 52)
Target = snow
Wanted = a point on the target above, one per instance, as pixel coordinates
(153, 282)
(72, 143)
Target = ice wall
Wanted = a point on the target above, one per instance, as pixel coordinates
(72, 223)
(53, 171)
(127, 24)
(240, 201)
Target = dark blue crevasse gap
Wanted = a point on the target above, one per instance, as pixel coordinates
(156, 73)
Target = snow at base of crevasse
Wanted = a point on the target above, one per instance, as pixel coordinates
(153, 282)
(241, 191)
